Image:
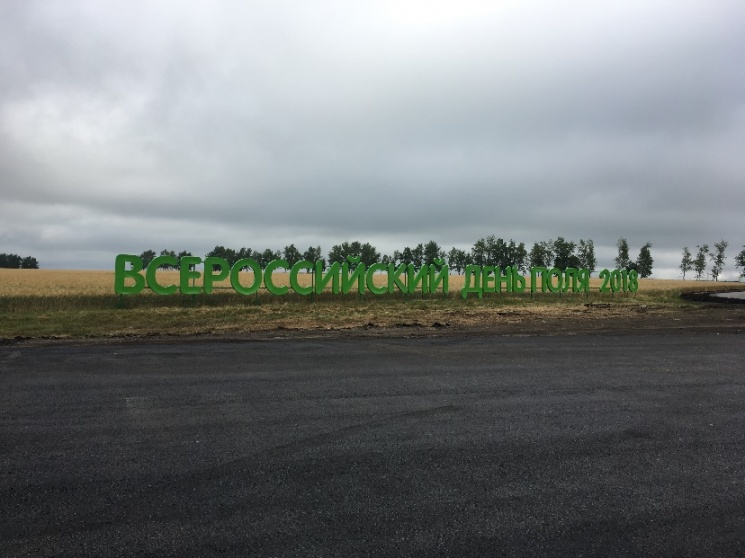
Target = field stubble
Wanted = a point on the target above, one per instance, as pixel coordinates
(76, 304)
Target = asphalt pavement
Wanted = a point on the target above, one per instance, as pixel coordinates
(486, 446)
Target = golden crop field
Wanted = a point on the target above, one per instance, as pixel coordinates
(52, 282)
(80, 304)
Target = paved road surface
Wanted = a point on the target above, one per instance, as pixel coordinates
(553, 446)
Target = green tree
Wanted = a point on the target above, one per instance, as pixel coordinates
(247, 254)
(479, 253)
(542, 254)
(147, 256)
(516, 256)
(496, 251)
(586, 255)
(338, 253)
(292, 255)
(244, 254)
(686, 264)
(740, 261)
(458, 259)
(314, 255)
(29, 263)
(699, 262)
(622, 260)
(366, 252)
(268, 255)
(11, 261)
(432, 252)
(718, 258)
(168, 253)
(644, 261)
(405, 256)
(417, 255)
(228, 254)
(564, 256)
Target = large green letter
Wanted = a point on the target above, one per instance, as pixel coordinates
(370, 278)
(270, 286)
(332, 276)
(152, 268)
(294, 283)
(209, 272)
(187, 273)
(394, 278)
(121, 273)
(235, 274)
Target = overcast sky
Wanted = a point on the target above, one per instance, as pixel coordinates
(184, 125)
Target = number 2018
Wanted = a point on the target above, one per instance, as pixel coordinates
(619, 280)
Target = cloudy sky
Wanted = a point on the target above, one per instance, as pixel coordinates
(184, 125)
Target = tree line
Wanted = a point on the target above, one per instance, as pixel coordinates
(643, 263)
(488, 251)
(14, 261)
(715, 257)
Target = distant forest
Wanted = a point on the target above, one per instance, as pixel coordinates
(14, 261)
(488, 251)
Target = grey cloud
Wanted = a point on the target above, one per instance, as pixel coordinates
(234, 123)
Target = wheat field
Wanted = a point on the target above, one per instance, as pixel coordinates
(52, 282)
(80, 304)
